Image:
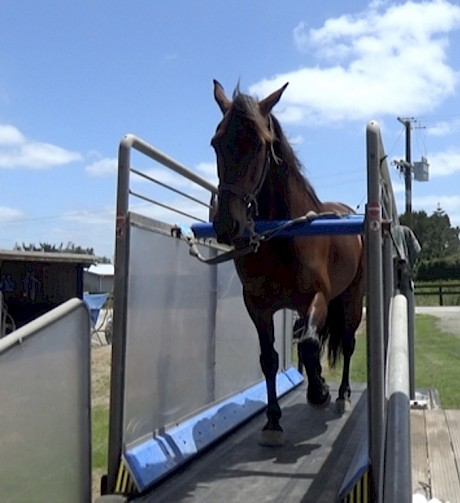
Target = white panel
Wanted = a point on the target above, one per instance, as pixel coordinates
(167, 333)
(45, 409)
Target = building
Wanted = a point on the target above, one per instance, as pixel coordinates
(34, 282)
(98, 278)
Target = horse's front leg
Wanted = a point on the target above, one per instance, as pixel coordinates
(310, 351)
(272, 433)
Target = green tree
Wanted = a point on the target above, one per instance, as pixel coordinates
(69, 248)
(435, 233)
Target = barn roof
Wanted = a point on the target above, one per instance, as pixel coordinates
(102, 269)
(39, 256)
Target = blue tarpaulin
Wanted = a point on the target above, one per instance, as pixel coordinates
(95, 301)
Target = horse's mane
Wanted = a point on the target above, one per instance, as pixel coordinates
(285, 152)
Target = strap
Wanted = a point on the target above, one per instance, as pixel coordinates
(186, 233)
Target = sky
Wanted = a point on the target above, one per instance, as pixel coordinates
(77, 75)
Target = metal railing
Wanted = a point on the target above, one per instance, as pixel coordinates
(124, 191)
(390, 338)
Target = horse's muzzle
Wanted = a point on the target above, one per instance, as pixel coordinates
(227, 232)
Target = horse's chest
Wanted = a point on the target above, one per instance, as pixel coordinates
(267, 274)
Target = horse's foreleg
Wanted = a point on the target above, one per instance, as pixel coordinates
(269, 362)
(310, 350)
(272, 433)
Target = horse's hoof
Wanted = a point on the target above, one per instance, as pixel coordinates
(343, 405)
(319, 401)
(272, 438)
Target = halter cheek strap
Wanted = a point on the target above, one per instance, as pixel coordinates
(247, 197)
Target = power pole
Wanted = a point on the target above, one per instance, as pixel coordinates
(406, 167)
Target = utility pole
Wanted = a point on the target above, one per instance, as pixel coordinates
(406, 167)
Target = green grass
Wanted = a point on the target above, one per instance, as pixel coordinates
(100, 426)
(437, 361)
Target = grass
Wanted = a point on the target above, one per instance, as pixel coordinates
(100, 427)
(437, 360)
(437, 357)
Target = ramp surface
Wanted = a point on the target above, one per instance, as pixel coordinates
(310, 468)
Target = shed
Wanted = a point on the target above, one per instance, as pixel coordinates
(98, 278)
(34, 282)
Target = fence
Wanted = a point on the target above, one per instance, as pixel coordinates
(444, 293)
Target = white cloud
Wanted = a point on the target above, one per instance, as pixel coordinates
(444, 163)
(381, 61)
(103, 167)
(17, 151)
(10, 214)
(9, 135)
(296, 140)
(444, 128)
(208, 170)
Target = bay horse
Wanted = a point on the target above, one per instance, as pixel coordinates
(320, 277)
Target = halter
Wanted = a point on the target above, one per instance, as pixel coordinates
(250, 198)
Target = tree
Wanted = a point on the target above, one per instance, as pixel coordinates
(435, 234)
(69, 248)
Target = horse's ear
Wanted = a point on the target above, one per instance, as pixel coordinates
(266, 105)
(219, 95)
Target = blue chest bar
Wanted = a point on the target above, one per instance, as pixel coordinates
(321, 226)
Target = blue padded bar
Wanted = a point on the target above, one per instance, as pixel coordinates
(350, 224)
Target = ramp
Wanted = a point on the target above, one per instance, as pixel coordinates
(310, 468)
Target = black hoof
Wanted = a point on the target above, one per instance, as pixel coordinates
(272, 438)
(319, 398)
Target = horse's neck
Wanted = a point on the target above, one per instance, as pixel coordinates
(283, 196)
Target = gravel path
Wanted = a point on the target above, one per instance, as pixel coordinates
(448, 317)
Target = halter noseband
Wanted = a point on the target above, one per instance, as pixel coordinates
(250, 198)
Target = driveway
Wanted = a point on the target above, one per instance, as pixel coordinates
(448, 317)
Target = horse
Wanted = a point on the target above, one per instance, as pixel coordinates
(320, 277)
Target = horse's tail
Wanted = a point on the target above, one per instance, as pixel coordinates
(343, 318)
(334, 330)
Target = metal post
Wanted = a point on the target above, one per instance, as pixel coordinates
(388, 285)
(374, 306)
(407, 167)
(117, 375)
(398, 472)
(407, 289)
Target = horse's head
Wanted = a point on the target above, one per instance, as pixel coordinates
(242, 143)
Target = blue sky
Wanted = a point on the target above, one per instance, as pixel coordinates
(77, 75)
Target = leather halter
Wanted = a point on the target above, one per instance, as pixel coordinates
(250, 198)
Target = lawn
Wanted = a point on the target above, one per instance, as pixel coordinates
(437, 360)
